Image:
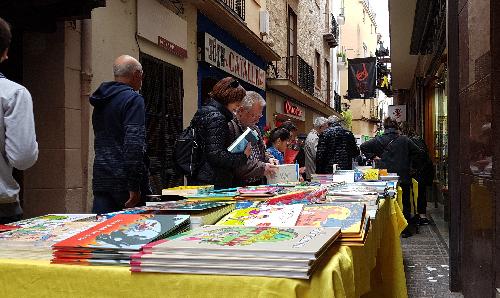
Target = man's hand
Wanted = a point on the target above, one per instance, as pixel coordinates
(270, 170)
(248, 150)
(274, 161)
(134, 199)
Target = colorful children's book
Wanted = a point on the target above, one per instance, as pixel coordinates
(239, 145)
(52, 220)
(126, 232)
(259, 191)
(264, 216)
(348, 216)
(285, 174)
(42, 235)
(184, 205)
(272, 242)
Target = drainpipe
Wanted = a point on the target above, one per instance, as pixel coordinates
(85, 85)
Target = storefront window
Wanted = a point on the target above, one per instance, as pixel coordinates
(441, 130)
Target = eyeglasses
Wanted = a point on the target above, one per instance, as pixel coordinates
(234, 84)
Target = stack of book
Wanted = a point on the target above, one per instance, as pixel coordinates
(350, 217)
(201, 213)
(32, 238)
(113, 241)
(291, 252)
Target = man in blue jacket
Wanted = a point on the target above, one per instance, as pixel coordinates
(18, 145)
(119, 128)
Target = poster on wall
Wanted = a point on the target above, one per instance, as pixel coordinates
(362, 78)
(398, 112)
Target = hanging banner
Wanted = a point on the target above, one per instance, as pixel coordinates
(397, 112)
(223, 57)
(362, 78)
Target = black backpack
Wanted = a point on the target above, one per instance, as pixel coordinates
(187, 152)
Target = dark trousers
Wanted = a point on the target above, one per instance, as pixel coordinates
(422, 199)
(9, 219)
(406, 188)
(105, 202)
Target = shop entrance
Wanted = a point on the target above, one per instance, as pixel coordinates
(163, 94)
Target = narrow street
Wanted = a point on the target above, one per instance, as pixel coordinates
(426, 259)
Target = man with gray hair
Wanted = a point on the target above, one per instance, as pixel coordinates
(311, 145)
(336, 145)
(119, 128)
(259, 164)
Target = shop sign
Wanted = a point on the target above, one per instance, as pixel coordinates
(161, 26)
(221, 56)
(397, 112)
(292, 110)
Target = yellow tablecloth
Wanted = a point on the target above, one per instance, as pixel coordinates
(375, 270)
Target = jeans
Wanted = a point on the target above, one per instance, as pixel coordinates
(105, 202)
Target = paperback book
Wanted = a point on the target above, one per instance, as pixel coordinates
(272, 242)
(348, 216)
(264, 216)
(239, 145)
(285, 174)
(126, 232)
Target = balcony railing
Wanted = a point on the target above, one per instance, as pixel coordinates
(295, 69)
(235, 6)
(332, 35)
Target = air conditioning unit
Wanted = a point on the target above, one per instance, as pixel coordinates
(264, 22)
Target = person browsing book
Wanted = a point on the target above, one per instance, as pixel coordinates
(278, 142)
(120, 177)
(259, 164)
(218, 165)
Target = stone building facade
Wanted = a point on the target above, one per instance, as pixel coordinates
(313, 21)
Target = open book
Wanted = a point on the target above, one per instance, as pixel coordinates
(239, 145)
(285, 174)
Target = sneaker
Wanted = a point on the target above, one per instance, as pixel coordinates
(406, 233)
(423, 221)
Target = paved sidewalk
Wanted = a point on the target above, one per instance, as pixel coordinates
(425, 258)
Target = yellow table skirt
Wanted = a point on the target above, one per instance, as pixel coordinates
(375, 270)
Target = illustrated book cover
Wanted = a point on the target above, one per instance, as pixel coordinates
(272, 242)
(264, 216)
(239, 145)
(126, 232)
(347, 216)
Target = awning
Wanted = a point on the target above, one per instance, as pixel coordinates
(289, 88)
(226, 19)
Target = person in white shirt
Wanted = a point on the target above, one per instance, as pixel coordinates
(18, 144)
(311, 145)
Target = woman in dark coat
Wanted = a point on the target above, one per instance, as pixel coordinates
(211, 124)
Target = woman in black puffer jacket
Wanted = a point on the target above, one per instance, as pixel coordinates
(211, 124)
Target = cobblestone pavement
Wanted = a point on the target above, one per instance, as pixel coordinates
(425, 257)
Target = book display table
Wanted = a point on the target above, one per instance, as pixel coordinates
(373, 270)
